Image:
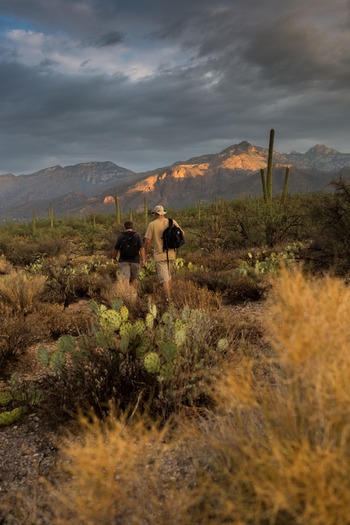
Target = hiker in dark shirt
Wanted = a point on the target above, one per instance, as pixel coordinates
(130, 253)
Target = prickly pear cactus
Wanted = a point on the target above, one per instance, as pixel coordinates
(110, 320)
(54, 361)
(149, 321)
(5, 397)
(139, 327)
(57, 361)
(43, 356)
(124, 313)
(143, 347)
(168, 351)
(66, 343)
(125, 329)
(166, 371)
(166, 318)
(152, 309)
(9, 417)
(186, 314)
(152, 362)
(124, 343)
(117, 304)
(222, 345)
(180, 332)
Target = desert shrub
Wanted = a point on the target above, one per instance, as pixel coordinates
(187, 292)
(20, 292)
(121, 290)
(23, 251)
(5, 266)
(69, 280)
(56, 321)
(127, 468)
(160, 362)
(87, 375)
(232, 287)
(329, 249)
(119, 471)
(217, 260)
(270, 261)
(17, 333)
(278, 449)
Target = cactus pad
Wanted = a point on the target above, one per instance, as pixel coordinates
(180, 337)
(124, 343)
(143, 347)
(152, 309)
(5, 397)
(152, 362)
(222, 345)
(124, 313)
(7, 418)
(110, 320)
(139, 327)
(149, 321)
(168, 350)
(125, 329)
(166, 371)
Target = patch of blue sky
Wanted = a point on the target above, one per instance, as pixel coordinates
(8, 24)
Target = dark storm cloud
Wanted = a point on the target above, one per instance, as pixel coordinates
(230, 70)
(111, 38)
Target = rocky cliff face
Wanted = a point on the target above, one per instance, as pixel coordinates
(235, 171)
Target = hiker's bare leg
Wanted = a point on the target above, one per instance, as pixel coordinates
(166, 288)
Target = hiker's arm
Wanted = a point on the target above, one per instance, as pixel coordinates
(147, 247)
(143, 256)
(176, 224)
(115, 254)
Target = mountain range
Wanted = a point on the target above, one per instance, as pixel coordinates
(88, 188)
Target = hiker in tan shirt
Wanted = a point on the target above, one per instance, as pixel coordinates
(154, 238)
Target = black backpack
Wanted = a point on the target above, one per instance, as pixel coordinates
(129, 248)
(172, 237)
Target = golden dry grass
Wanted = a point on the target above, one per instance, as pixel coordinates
(5, 266)
(20, 292)
(276, 449)
(280, 450)
(114, 476)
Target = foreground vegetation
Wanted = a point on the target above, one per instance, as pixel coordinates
(249, 405)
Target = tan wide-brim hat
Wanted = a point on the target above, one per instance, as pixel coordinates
(159, 210)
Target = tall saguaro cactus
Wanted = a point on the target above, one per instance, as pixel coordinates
(117, 210)
(269, 167)
(266, 182)
(34, 222)
(51, 215)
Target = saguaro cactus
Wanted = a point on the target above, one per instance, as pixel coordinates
(285, 186)
(34, 222)
(51, 215)
(117, 210)
(266, 182)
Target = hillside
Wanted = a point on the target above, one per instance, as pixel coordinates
(90, 187)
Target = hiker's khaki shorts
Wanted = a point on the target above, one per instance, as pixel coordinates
(164, 270)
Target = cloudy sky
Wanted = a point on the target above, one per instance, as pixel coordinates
(145, 83)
